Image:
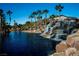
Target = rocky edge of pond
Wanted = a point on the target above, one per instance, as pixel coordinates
(69, 47)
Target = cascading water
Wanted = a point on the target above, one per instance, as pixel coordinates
(58, 33)
(46, 29)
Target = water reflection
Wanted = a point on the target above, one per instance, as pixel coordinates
(29, 44)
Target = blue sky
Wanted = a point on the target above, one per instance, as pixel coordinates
(21, 11)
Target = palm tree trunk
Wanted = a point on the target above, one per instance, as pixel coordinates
(31, 24)
(0, 22)
(45, 16)
(10, 19)
(45, 19)
(35, 24)
(59, 13)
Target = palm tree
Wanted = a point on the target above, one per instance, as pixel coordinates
(45, 12)
(9, 12)
(3, 24)
(34, 14)
(39, 17)
(15, 25)
(39, 21)
(31, 16)
(59, 8)
(52, 16)
(2, 20)
(39, 12)
(1, 15)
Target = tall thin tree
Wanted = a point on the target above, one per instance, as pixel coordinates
(45, 12)
(59, 8)
(2, 20)
(1, 15)
(31, 17)
(34, 14)
(9, 12)
(39, 17)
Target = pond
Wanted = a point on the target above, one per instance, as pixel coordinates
(26, 44)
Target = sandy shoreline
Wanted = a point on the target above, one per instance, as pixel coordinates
(31, 31)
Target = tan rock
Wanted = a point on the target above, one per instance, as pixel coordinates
(76, 45)
(72, 38)
(76, 54)
(70, 42)
(70, 51)
(61, 47)
(59, 54)
(70, 47)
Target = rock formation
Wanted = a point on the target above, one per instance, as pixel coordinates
(70, 47)
(61, 47)
(70, 51)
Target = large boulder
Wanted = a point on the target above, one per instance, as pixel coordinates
(61, 47)
(76, 54)
(76, 45)
(70, 51)
(70, 47)
(71, 39)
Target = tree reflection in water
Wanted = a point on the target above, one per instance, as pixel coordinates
(2, 40)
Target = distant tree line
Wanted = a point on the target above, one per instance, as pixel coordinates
(38, 18)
